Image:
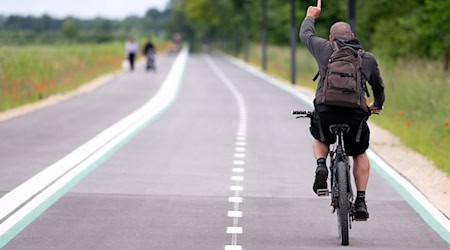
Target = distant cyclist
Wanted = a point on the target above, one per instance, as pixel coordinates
(150, 53)
(325, 114)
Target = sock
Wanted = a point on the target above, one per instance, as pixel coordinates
(361, 195)
(321, 161)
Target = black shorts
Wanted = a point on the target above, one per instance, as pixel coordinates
(353, 119)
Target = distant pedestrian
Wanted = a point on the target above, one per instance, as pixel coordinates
(131, 51)
(150, 52)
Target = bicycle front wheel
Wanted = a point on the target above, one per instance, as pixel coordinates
(343, 202)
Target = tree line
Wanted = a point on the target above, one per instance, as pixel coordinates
(396, 29)
(45, 29)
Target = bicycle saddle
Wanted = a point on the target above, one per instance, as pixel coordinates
(335, 128)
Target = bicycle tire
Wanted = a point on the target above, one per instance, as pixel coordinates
(343, 202)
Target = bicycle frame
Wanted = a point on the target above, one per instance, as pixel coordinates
(338, 154)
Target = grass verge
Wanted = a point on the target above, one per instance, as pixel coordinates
(31, 73)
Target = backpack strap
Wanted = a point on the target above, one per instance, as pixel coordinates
(334, 47)
(319, 124)
(316, 76)
(364, 81)
(358, 134)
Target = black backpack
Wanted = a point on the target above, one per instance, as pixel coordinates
(344, 84)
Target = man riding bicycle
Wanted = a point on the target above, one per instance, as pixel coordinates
(357, 139)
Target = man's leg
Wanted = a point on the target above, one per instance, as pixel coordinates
(320, 150)
(361, 171)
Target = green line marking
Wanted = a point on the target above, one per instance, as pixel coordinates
(413, 202)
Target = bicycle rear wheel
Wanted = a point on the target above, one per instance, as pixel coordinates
(343, 203)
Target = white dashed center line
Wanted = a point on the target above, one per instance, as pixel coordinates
(237, 170)
(241, 147)
(235, 199)
(239, 155)
(234, 214)
(239, 162)
(237, 178)
(236, 188)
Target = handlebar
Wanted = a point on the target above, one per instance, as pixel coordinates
(309, 114)
(302, 114)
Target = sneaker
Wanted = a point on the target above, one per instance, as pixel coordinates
(361, 213)
(320, 182)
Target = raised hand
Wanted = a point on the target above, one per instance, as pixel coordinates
(314, 11)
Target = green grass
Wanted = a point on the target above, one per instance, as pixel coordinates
(33, 72)
(417, 107)
(30, 73)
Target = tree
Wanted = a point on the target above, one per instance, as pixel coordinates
(407, 28)
(70, 28)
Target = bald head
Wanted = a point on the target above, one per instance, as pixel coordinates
(341, 29)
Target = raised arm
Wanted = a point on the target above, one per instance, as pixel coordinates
(316, 45)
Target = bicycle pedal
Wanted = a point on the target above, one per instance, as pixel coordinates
(323, 192)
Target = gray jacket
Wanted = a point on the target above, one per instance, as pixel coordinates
(322, 49)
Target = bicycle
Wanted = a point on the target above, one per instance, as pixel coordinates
(341, 187)
(151, 57)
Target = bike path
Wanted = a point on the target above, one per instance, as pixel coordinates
(169, 187)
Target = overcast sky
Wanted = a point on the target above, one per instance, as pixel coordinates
(116, 9)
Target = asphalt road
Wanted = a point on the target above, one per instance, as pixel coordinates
(170, 186)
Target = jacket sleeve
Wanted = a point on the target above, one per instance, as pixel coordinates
(376, 83)
(316, 45)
